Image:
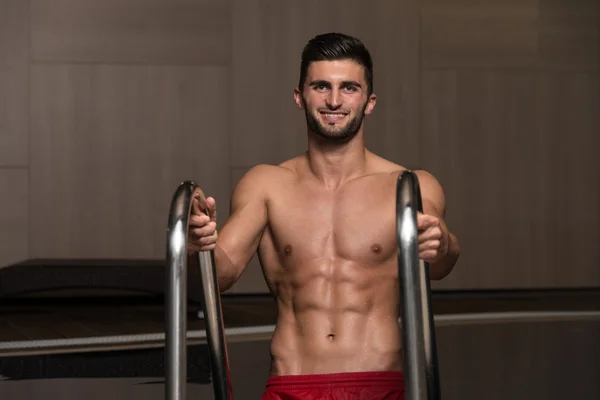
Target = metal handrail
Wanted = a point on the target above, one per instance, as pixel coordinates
(176, 307)
(421, 373)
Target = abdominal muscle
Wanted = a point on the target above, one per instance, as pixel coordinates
(336, 316)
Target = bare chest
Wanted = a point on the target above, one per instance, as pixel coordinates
(355, 223)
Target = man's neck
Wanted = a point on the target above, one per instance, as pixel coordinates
(335, 163)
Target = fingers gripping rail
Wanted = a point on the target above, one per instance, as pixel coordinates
(176, 310)
(418, 330)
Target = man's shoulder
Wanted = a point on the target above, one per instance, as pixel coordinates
(270, 171)
(394, 170)
(427, 181)
(264, 175)
(384, 167)
(432, 193)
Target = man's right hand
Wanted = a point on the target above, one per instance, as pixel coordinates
(202, 233)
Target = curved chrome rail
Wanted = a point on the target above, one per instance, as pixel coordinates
(418, 330)
(176, 312)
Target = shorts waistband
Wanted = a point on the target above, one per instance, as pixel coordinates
(342, 379)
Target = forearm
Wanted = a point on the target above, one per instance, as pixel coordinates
(227, 273)
(441, 268)
(225, 269)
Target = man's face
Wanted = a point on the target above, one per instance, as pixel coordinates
(335, 98)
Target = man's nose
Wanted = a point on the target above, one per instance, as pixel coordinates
(334, 100)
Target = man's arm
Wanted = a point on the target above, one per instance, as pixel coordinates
(238, 239)
(437, 245)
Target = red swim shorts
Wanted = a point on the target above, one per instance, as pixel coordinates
(380, 385)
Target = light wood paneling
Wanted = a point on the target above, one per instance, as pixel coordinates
(14, 22)
(13, 215)
(110, 144)
(268, 38)
(131, 31)
(545, 34)
(517, 153)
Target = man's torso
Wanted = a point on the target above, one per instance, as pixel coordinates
(329, 256)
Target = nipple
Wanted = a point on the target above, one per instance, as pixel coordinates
(376, 248)
(287, 250)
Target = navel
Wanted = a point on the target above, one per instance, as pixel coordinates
(287, 250)
(376, 248)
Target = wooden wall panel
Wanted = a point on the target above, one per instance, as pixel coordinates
(131, 31)
(14, 23)
(568, 34)
(110, 144)
(472, 33)
(509, 111)
(268, 38)
(14, 197)
(544, 34)
(517, 153)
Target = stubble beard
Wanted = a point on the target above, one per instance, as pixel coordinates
(332, 133)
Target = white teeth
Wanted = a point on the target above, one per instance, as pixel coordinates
(333, 115)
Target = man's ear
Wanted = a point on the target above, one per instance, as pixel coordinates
(371, 104)
(298, 99)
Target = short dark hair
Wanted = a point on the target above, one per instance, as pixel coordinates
(336, 46)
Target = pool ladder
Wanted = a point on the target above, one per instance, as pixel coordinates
(176, 303)
(421, 372)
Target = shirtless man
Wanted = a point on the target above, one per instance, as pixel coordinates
(324, 227)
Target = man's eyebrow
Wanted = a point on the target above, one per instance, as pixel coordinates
(326, 83)
(319, 82)
(351, 83)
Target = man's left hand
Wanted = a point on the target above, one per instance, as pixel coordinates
(433, 238)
